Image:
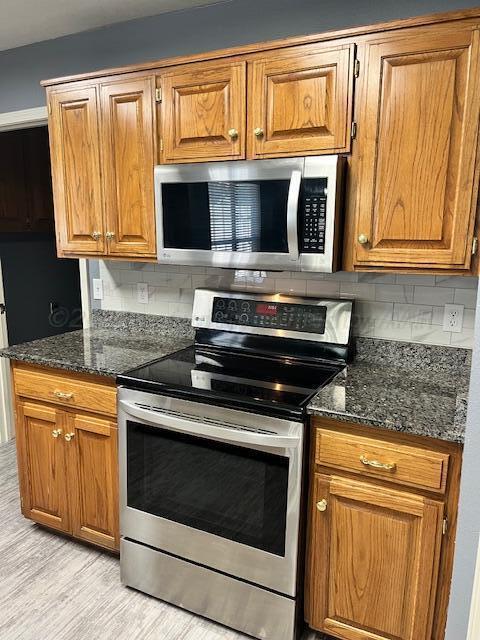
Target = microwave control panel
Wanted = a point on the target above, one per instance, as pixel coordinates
(313, 214)
(272, 315)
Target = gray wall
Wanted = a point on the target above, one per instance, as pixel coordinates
(469, 517)
(183, 32)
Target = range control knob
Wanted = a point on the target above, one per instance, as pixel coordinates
(218, 316)
(244, 318)
(245, 306)
(232, 305)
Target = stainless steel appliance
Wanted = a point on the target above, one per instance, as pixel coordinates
(278, 214)
(212, 452)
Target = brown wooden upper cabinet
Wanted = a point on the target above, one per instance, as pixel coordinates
(300, 101)
(418, 113)
(203, 112)
(102, 139)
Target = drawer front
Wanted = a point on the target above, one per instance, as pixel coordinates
(402, 464)
(66, 390)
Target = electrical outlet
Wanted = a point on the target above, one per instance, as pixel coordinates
(142, 292)
(97, 288)
(453, 318)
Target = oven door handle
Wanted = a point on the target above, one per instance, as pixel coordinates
(232, 436)
(292, 214)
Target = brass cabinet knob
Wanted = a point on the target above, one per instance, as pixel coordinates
(56, 433)
(322, 505)
(96, 235)
(69, 436)
(363, 239)
(110, 235)
(233, 133)
(258, 132)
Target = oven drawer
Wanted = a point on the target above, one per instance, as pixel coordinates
(402, 464)
(70, 390)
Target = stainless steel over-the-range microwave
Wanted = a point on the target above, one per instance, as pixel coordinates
(278, 214)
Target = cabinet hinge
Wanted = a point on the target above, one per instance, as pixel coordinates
(158, 94)
(356, 68)
(474, 246)
(21, 500)
(161, 144)
(445, 526)
(49, 108)
(353, 130)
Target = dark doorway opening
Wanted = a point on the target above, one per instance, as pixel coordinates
(42, 292)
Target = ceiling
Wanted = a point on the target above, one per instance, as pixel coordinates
(27, 21)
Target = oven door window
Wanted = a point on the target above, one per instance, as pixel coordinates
(230, 491)
(238, 216)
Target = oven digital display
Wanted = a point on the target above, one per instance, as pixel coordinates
(266, 309)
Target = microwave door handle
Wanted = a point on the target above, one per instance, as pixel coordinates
(231, 436)
(292, 214)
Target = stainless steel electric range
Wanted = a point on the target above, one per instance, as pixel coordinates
(212, 455)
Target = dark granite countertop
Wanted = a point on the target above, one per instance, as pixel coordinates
(106, 351)
(416, 389)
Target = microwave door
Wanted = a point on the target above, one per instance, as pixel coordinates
(243, 216)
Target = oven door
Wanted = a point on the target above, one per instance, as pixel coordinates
(218, 487)
(240, 214)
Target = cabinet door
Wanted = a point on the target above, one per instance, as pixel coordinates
(300, 101)
(417, 140)
(42, 464)
(374, 561)
(128, 140)
(77, 184)
(203, 112)
(92, 455)
(13, 200)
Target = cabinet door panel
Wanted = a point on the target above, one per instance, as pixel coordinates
(375, 561)
(418, 139)
(128, 141)
(201, 104)
(92, 454)
(302, 100)
(42, 465)
(75, 154)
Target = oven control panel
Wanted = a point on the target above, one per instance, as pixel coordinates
(313, 215)
(271, 315)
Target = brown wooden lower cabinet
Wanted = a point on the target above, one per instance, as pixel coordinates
(67, 457)
(379, 553)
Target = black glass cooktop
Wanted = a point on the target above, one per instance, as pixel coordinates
(270, 385)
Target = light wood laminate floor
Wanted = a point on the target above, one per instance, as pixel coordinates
(53, 588)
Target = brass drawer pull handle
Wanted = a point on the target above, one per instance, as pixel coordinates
(258, 132)
(96, 235)
(56, 433)
(69, 436)
(110, 235)
(233, 134)
(384, 466)
(322, 505)
(63, 396)
(363, 239)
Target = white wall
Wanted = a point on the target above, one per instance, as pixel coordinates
(389, 306)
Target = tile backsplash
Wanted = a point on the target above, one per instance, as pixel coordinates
(389, 306)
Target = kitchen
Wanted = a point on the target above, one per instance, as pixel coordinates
(266, 415)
